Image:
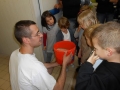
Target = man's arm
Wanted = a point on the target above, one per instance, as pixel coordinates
(51, 65)
(61, 80)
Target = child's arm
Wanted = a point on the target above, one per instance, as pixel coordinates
(86, 79)
(76, 34)
(44, 40)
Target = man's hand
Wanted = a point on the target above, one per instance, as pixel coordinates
(114, 1)
(59, 5)
(67, 59)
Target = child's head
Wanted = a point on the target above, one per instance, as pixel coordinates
(83, 8)
(47, 19)
(88, 33)
(63, 23)
(87, 18)
(105, 39)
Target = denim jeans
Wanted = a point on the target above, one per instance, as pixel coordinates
(105, 17)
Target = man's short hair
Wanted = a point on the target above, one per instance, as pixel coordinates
(21, 29)
(108, 35)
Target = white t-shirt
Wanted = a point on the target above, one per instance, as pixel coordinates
(27, 73)
(67, 36)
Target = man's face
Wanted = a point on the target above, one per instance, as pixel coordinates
(36, 36)
(98, 50)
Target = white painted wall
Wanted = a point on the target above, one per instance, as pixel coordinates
(12, 11)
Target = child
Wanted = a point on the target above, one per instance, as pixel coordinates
(64, 33)
(50, 29)
(87, 34)
(78, 33)
(105, 39)
(85, 20)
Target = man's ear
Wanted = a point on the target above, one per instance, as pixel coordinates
(25, 40)
(109, 51)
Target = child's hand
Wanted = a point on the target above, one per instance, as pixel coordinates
(92, 59)
(67, 59)
(44, 48)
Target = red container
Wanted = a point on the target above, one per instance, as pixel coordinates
(68, 46)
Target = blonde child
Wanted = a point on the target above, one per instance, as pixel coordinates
(78, 33)
(105, 39)
(64, 33)
(86, 19)
(87, 34)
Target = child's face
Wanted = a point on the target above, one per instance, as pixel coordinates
(82, 25)
(64, 30)
(102, 53)
(50, 21)
(88, 41)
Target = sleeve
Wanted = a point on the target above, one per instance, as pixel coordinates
(44, 38)
(87, 80)
(59, 36)
(76, 34)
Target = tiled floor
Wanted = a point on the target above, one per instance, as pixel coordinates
(4, 74)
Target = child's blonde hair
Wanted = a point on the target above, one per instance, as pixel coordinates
(89, 31)
(87, 18)
(108, 35)
(83, 8)
(63, 22)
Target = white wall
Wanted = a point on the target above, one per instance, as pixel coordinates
(48, 5)
(12, 11)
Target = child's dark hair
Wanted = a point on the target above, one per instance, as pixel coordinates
(43, 18)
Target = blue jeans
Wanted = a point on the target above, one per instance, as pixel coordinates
(105, 17)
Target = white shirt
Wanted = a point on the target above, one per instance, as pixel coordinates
(67, 36)
(27, 73)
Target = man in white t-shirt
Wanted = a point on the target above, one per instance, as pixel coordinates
(26, 72)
